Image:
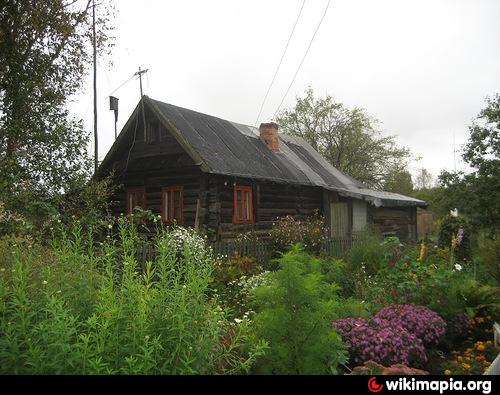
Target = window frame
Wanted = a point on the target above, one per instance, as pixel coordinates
(244, 204)
(172, 189)
(135, 191)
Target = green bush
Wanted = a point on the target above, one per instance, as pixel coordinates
(449, 228)
(487, 256)
(430, 282)
(370, 253)
(293, 315)
(78, 308)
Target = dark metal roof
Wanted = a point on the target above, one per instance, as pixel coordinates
(229, 148)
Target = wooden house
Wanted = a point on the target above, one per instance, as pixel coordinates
(228, 178)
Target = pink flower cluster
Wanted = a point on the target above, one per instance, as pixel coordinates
(424, 323)
(381, 341)
(372, 368)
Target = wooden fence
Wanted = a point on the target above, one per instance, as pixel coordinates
(260, 250)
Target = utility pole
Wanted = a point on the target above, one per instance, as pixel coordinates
(454, 154)
(96, 148)
(140, 73)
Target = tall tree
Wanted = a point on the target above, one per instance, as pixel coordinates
(423, 179)
(44, 52)
(477, 194)
(399, 181)
(346, 137)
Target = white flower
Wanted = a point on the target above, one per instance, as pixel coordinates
(238, 321)
(44, 282)
(458, 267)
(110, 226)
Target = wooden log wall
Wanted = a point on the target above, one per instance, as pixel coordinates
(189, 179)
(270, 201)
(400, 221)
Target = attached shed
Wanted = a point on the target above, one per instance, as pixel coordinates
(228, 178)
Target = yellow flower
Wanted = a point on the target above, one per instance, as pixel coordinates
(423, 249)
(480, 347)
(466, 366)
(459, 358)
(486, 363)
(447, 372)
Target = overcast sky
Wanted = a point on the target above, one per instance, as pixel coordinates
(422, 67)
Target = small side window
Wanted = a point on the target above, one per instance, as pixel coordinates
(172, 204)
(136, 197)
(243, 205)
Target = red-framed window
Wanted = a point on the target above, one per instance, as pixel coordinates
(172, 204)
(136, 197)
(243, 205)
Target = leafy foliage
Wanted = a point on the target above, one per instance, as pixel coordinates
(450, 227)
(487, 256)
(292, 315)
(44, 52)
(75, 311)
(477, 194)
(347, 138)
(399, 181)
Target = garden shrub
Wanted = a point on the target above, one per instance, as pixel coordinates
(430, 283)
(421, 321)
(487, 256)
(384, 342)
(293, 312)
(450, 227)
(235, 267)
(155, 320)
(287, 231)
(370, 253)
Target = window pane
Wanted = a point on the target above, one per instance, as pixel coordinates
(131, 202)
(238, 205)
(166, 214)
(177, 205)
(247, 205)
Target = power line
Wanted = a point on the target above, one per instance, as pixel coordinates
(303, 58)
(132, 76)
(281, 61)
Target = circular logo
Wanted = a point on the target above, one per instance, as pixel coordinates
(373, 386)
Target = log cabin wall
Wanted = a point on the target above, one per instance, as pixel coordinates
(157, 160)
(399, 221)
(270, 200)
(189, 179)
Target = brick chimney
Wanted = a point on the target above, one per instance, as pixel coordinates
(269, 133)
